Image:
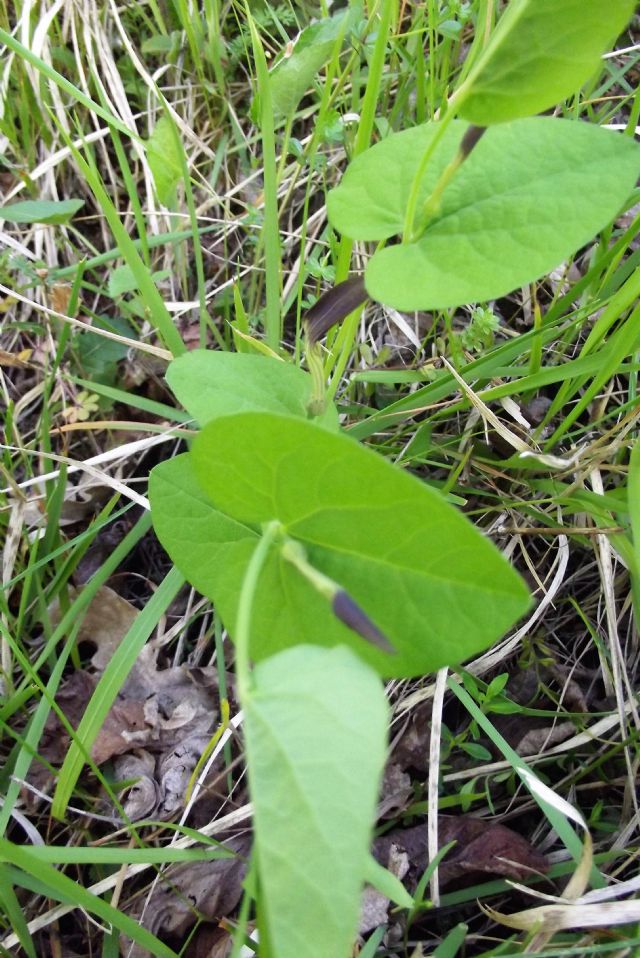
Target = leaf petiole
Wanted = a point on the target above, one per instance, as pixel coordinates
(271, 531)
(343, 606)
(317, 403)
(432, 206)
(408, 233)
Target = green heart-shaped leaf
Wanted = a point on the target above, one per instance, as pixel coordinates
(315, 732)
(422, 573)
(529, 195)
(211, 549)
(211, 384)
(541, 52)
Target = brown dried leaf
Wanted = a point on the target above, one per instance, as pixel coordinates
(412, 748)
(536, 740)
(18, 360)
(210, 942)
(105, 623)
(208, 890)
(395, 792)
(486, 847)
(481, 848)
(170, 712)
(114, 738)
(72, 699)
(60, 297)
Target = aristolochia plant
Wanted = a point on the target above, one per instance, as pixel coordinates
(329, 567)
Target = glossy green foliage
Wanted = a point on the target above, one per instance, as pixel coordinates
(429, 581)
(529, 195)
(315, 730)
(541, 52)
(211, 384)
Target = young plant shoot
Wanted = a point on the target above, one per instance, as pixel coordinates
(331, 568)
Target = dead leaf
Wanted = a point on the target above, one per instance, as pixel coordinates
(481, 848)
(536, 740)
(167, 715)
(141, 799)
(485, 847)
(18, 360)
(175, 769)
(104, 624)
(210, 942)
(113, 738)
(101, 547)
(78, 506)
(60, 297)
(395, 792)
(72, 699)
(192, 891)
(412, 748)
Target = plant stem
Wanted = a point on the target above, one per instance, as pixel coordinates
(408, 233)
(245, 606)
(432, 206)
(317, 403)
(294, 552)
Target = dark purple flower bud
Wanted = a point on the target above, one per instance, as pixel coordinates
(334, 306)
(348, 611)
(470, 139)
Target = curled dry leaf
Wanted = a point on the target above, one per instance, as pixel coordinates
(548, 919)
(165, 716)
(144, 796)
(192, 891)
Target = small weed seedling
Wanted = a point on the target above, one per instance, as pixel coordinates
(331, 568)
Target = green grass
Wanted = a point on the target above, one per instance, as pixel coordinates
(232, 262)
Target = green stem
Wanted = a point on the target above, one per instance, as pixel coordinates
(408, 234)
(317, 403)
(432, 206)
(245, 607)
(294, 553)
